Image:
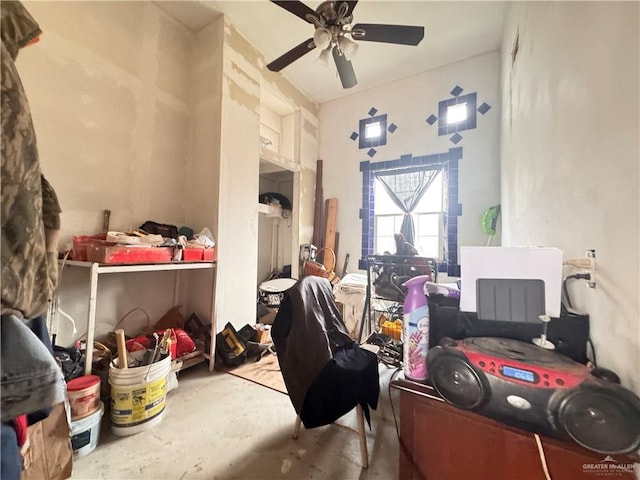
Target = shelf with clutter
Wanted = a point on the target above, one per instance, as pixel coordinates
(95, 270)
(139, 247)
(153, 247)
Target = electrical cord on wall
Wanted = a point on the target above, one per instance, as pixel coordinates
(54, 306)
(575, 276)
(571, 308)
(593, 352)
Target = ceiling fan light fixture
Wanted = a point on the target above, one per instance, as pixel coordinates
(348, 47)
(324, 57)
(322, 38)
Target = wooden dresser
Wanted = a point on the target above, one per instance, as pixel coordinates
(441, 442)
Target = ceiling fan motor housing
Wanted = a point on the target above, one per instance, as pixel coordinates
(332, 22)
(334, 13)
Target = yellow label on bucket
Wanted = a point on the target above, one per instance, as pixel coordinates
(135, 404)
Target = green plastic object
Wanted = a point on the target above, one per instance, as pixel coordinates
(490, 219)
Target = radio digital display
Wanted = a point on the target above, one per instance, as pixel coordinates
(519, 374)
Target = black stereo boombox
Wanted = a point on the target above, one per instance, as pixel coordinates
(537, 390)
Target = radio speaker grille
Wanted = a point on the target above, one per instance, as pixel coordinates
(603, 421)
(456, 381)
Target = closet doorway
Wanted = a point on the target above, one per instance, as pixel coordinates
(279, 189)
(275, 222)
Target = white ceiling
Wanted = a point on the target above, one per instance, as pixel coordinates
(453, 31)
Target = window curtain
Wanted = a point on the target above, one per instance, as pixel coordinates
(406, 187)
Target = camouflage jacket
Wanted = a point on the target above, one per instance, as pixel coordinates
(29, 203)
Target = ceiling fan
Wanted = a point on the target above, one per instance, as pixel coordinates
(333, 27)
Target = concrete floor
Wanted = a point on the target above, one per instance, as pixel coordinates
(218, 426)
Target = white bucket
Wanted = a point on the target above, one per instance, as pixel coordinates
(84, 395)
(85, 433)
(138, 396)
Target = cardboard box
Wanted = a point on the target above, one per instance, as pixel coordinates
(80, 243)
(263, 333)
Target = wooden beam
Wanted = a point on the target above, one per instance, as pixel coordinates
(331, 209)
(318, 213)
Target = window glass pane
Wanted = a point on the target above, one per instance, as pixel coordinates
(385, 225)
(385, 244)
(384, 204)
(372, 130)
(428, 246)
(432, 199)
(456, 113)
(397, 223)
(427, 224)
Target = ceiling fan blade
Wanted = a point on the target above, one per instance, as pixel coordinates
(299, 9)
(402, 34)
(292, 55)
(345, 69)
(352, 5)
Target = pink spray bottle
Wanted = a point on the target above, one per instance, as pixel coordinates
(415, 329)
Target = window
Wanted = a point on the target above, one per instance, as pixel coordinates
(456, 113)
(428, 218)
(442, 218)
(372, 130)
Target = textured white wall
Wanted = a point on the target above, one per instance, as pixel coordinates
(407, 104)
(109, 93)
(570, 164)
(139, 115)
(109, 97)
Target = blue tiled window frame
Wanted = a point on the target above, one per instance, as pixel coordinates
(452, 208)
(377, 141)
(445, 128)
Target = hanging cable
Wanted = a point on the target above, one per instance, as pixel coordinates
(593, 352)
(403, 447)
(571, 308)
(575, 276)
(543, 460)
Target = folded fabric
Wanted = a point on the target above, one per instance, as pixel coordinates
(205, 238)
(351, 284)
(124, 239)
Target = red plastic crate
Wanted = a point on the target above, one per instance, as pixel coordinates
(192, 254)
(209, 254)
(107, 252)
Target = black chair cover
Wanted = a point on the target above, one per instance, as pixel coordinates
(326, 373)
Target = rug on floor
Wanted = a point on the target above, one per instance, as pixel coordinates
(266, 372)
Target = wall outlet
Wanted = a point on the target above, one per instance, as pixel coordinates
(588, 263)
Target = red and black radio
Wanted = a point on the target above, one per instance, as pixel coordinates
(535, 389)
